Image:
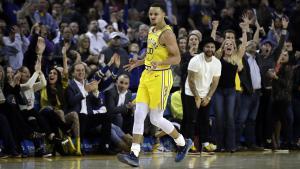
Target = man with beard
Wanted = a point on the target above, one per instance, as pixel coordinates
(204, 72)
(97, 42)
(155, 85)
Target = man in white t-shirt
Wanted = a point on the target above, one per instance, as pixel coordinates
(204, 71)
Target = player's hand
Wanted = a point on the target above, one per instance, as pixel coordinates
(198, 102)
(155, 64)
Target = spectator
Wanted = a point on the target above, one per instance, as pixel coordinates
(10, 148)
(250, 78)
(82, 97)
(67, 37)
(269, 54)
(231, 60)
(75, 30)
(135, 74)
(295, 102)
(52, 101)
(193, 46)
(97, 43)
(281, 100)
(26, 102)
(42, 16)
(117, 39)
(119, 104)
(20, 43)
(198, 92)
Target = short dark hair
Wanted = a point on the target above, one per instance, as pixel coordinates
(228, 31)
(160, 5)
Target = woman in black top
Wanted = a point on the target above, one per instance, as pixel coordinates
(225, 95)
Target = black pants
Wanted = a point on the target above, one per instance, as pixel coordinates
(195, 119)
(20, 128)
(7, 136)
(89, 122)
(39, 123)
(280, 109)
(55, 123)
(264, 125)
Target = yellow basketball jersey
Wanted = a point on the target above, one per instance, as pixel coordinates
(155, 50)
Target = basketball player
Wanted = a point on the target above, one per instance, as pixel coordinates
(155, 84)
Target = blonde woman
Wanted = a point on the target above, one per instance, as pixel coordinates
(225, 96)
(84, 50)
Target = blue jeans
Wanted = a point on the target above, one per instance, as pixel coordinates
(225, 127)
(117, 119)
(116, 133)
(247, 117)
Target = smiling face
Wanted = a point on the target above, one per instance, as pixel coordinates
(156, 15)
(122, 83)
(79, 72)
(25, 74)
(182, 44)
(53, 76)
(209, 49)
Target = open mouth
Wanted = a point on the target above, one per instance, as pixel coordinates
(228, 49)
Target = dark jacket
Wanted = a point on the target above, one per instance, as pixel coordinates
(111, 101)
(245, 76)
(296, 82)
(282, 87)
(74, 98)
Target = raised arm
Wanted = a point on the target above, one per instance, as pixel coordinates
(256, 34)
(65, 59)
(278, 49)
(215, 25)
(41, 84)
(245, 27)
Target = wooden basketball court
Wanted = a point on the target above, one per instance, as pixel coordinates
(243, 160)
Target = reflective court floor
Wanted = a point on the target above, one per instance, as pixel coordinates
(243, 160)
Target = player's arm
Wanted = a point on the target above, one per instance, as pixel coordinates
(168, 39)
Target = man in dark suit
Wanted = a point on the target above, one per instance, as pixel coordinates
(81, 98)
(119, 105)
